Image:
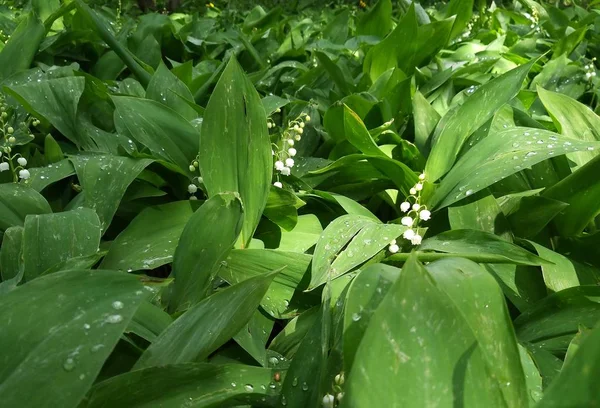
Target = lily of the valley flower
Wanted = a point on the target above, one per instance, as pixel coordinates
(24, 174)
(192, 188)
(425, 215)
(405, 206)
(285, 171)
(407, 221)
(278, 184)
(416, 239)
(4, 166)
(393, 248)
(289, 162)
(22, 161)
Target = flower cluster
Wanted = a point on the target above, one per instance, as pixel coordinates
(196, 181)
(533, 18)
(328, 399)
(415, 212)
(14, 162)
(590, 70)
(285, 152)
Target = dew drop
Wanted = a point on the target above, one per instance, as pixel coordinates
(233, 384)
(283, 400)
(86, 326)
(114, 319)
(273, 360)
(272, 385)
(69, 364)
(469, 192)
(304, 386)
(117, 304)
(515, 144)
(590, 148)
(530, 154)
(249, 387)
(295, 382)
(356, 317)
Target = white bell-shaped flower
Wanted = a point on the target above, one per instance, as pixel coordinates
(278, 184)
(407, 221)
(24, 174)
(405, 206)
(425, 215)
(285, 171)
(22, 161)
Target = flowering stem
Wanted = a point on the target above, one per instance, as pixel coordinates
(400, 258)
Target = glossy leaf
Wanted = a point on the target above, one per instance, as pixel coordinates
(472, 114)
(417, 338)
(235, 151)
(149, 241)
(49, 239)
(207, 325)
(176, 385)
(18, 53)
(16, 202)
(79, 316)
(207, 238)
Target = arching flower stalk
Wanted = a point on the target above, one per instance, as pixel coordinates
(283, 150)
(415, 212)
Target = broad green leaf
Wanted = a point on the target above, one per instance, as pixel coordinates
(574, 120)
(42, 177)
(418, 350)
(480, 214)
(68, 323)
(396, 50)
(552, 322)
(17, 201)
(357, 134)
(207, 325)
(377, 21)
(105, 179)
(19, 51)
(149, 241)
(349, 205)
(364, 295)
(281, 300)
(472, 114)
(166, 88)
(498, 156)
(532, 376)
(56, 101)
(11, 253)
(168, 135)
(207, 238)
(254, 336)
(576, 384)
(425, 118)
(559, 275)
(347, 242)
(49, 239)
(581, 191)
(282, 207)
(463, 10)
(531, 214)
(180, 385)
(303, 236)
(149, 321)
(475, 293)
(473, 242)
(336, 74)
(288, 340)
(301, 387)
(235, 151)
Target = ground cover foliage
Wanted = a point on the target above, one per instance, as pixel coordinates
(307, 205)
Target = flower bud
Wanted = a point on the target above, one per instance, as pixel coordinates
(24, 174)
(278, 184)
(22, 161)
(289, 162)
(405, 206)
(292, 152)
(192, 188)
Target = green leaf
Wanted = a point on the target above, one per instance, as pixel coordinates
(149, 241)
(149, 321)
(553, 321)
(207, 325)
(49, 239)
(168, 135)
(235, 151)
(396, 50)
(463, 10)
(559, 275)
(17, 201)
(56, 100)
(303, 236)
(531, 214)
(480, 301)
(425, 118)
(79, 317)
(377, 21)
(474, 242)
(346, 243)
(472, 114)
(42, 177)
(281, 300)
(166, 88)
(207, 238)
(282, 207)
(357, 134)
(366, 291)
(105, 179)
(574, 120)
(178, 385)
(18, 53)
(532, 376)
(498, 156)
(254, 336)
(581, 191)
(576, 384)
(415, 339)
(335, 73)
(11, 253)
